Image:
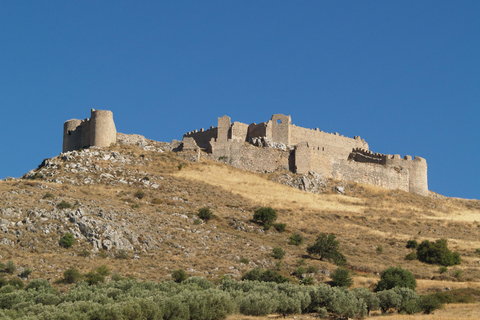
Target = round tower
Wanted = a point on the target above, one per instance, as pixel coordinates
(71, 135)
(418, 176)
(102, 128)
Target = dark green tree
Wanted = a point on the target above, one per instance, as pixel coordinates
(265, 216)
(396, 277)
(326, 247)
(437, 253)
(342, 278)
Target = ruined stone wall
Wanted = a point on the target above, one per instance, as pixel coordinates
(418, 180)
(388, 177)
(259, 130)
(202, 137)
(303, 161)
(334, 145)
(281, 129)
(239, 131)
(97, 131)
(246, 157)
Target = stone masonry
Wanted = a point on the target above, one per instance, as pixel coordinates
(271, 146)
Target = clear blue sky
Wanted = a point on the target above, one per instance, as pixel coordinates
(404, 75)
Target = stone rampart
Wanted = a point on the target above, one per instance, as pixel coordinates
(202, 137)
(97, 131)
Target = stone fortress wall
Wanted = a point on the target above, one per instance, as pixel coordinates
(98, 131)
(285, 146)
(274, 145)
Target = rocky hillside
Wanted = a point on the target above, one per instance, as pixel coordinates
(133, 207)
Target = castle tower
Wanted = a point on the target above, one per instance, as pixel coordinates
(72, 135)
(418, 180)
(102, 128)
(97, 131)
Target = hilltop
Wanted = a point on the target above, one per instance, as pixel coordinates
(133, 207)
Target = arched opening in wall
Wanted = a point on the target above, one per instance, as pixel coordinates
(279, 121)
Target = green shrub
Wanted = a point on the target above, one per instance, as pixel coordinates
(342, 278)
(312, 269)
(326, 247)
(430, 303)
(280, 227)
(396, 277)
(410, 300)
(84, 253)
(370, 299)
(103, 270)
(389, 299)
(17, 283)
(10, 267)
(411, 256)
(265, 216)
(93, 278)
(179, 275)
(71, 275)
(379, 250)
(322, 313)
(296, 239)
(437, 253)
(442, 269)
(180, 166)
(48, 195)
(139, 194)
(278, 253)
(197, 221)
(67, 240)
(299, 272)
(122, 254)
(457, 273)
(308, 280)
(64, 205)
(205, 214)
(412, 244)
(244, 260)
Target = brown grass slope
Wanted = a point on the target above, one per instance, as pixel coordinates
(165, 235)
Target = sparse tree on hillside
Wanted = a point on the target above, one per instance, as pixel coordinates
(326, 247)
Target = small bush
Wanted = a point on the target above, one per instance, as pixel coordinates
(342, 278)
(71, 275)
(179, 275)
(48, 195)
(457, 273)
(64, 205)
(26, 272)
(10, 267)
(411, 256)
(103, 270)
(157, 201)
(396, 277)
(430, 303)
(280, 227)
(67, 240)
(244, 260)
(442, 269)
(84, 253)
(17, 283)
(205, 214)
(412, 244)
(122, 254)
(93, 278)
(308, 280)
(312, 269)
(278, 253)
(379, 250)
(296, 239)
(265, 216)
(139, 194)
(322, 313)
(197, 222)
(437, 253)
(299, 272)
(326, 247)
(180, 166)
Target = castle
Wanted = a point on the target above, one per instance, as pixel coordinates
(275, 145)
